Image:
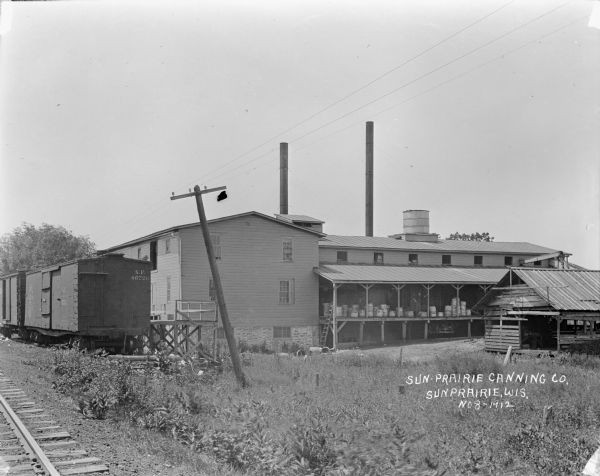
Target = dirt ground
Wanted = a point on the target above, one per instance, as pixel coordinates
(423, 351)
(125, 450)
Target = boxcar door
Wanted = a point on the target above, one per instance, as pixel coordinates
(91, 294)
(57, 308)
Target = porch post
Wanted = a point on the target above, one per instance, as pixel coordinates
(361, 330)
(403, 330)
(334, 310)
(558, 333)
(426, 329)
(382, 331)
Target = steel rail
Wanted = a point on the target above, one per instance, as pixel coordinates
(26, 437)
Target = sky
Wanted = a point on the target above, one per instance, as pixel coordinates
(486, 113)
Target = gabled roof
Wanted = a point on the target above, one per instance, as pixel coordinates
(214, 220)
(409, 274)
(564, 290)
(458, 246)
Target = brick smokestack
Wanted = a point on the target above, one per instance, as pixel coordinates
(283, 178)
(369, 182)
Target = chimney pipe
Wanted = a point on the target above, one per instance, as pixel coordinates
(369, 182)
(283, 178)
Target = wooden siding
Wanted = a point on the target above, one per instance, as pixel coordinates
(500, 337)
(167, 265)
(426, 258)
(33, 306)
(251, 267)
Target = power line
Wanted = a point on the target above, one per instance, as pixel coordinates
(209, 175)
(458, 58)
(422, 93)
(364, 86)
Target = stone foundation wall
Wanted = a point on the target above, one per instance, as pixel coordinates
(257, 336)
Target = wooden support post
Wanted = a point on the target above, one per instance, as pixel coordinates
(428, 287)
(361, 330)
(558, 334)
(426, 330)
(469, 328)
(334, 320)
(403, 330)
(382, 332)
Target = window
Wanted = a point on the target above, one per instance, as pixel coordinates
(153, 254)
(478, 260)
(413, 258)
(282, 332)
(286, 292)
(216, 242)
(508, 261)
(168, 288)
(378, 258)
(446, 260)
(212, 290)
(287, 250)
(342, 257)
(537, 263)
(139, 253)
(167, 246)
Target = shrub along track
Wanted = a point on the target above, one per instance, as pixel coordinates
(31, 443)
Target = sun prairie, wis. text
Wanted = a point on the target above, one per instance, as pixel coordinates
(481, 391)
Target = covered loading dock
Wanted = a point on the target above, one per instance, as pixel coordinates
(363, 303)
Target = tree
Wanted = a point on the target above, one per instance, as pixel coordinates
(28, 247)
(471, 237)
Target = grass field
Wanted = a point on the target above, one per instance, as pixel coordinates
(351, 413)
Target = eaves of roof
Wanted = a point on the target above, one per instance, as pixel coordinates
(166, 231)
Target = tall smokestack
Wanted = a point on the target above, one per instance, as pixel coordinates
(369, 182)
(283, 178)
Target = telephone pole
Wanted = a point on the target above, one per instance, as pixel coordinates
(233, 351)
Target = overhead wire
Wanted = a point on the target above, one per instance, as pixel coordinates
(239, 167)
(366, 85)
(422, 93)
(413, 81)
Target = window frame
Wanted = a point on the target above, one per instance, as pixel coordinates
(337, 256)
(475, 263)
(285, 332)
(287, 297)
(414, 261)
(446, 260)
(375, 255)
(289, 256)
(508, 261)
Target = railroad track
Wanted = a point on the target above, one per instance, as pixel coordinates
(31, 443)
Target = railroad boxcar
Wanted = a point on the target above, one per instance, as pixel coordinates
(101, 298)
(12, 299)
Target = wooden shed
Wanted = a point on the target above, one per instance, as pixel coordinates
(542, 309)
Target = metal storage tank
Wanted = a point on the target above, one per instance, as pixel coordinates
(416, 221)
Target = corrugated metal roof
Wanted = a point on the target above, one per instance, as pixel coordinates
(459, 246)
(409, 274)
(567, 290)
(302, 218)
